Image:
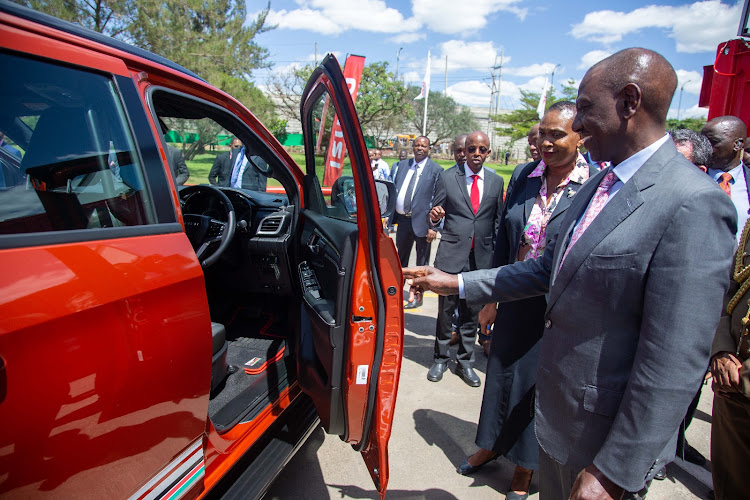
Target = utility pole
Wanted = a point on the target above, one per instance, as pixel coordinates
(316, 54)
(445, 90)
(398, 56)
(495, 98)
(679, 103)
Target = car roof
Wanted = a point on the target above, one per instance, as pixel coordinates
(44, 19)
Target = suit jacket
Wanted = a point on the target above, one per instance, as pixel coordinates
(251, 177)
(461, 225)
(421, 201)
(519, 201)
(221, 171)
(177, 165)
(625, 346)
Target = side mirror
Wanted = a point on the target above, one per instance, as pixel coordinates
(344, 197)
(386, 197)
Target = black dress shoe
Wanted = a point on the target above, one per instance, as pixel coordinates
(413, 304)
(468, 376)
(693, 456)
(661, 475)
(436, 371)
(466, 469)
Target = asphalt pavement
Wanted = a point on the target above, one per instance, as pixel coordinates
(433, 431)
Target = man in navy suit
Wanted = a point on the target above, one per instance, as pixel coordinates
(631, 294)
(468, 202)
(415, 187)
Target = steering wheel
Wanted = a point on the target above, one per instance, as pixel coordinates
(204, 231)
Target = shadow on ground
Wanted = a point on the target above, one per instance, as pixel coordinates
(455, 438)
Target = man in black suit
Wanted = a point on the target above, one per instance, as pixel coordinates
(245, 172)
(221, 171)
(468, 201)
(415, 186)
(177, 166)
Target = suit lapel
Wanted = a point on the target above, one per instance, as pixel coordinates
(461, 184)
(619, 208)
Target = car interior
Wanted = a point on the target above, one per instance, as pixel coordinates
(276, 276)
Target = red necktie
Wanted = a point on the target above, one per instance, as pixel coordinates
(724, 183)
(475, 193)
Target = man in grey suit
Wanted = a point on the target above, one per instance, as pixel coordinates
(468, 202)
(415, 187)
(631, 293)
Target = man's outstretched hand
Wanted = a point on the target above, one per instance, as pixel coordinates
(429, 278)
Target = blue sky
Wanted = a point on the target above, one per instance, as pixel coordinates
(534, 37)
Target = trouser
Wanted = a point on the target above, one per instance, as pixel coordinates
(467, 324)
(730, 446)
(405, 238)
(556, 480)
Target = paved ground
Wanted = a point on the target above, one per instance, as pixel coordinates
(433, 431)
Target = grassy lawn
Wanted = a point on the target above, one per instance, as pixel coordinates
(201, 165)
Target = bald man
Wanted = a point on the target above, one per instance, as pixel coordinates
(727, 137)
(630, 292)
(468, 203)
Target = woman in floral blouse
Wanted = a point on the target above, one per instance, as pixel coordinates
(538, 193)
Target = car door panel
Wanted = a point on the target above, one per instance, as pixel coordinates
(350, 365)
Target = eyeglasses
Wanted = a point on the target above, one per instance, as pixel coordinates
(473, 149)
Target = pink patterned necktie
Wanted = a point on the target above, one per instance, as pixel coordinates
(596, 205)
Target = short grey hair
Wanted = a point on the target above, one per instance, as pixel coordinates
(702, 149)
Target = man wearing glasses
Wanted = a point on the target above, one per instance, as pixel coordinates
(468, 202)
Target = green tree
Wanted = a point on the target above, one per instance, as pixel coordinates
(519, 121)
(691, 123)
(381, 102)
(286, 87)
(210, 38)
(111, 17)
(445, 118)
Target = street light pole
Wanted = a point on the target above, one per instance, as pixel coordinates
(552, 78)
(679, 102)
(398, 56)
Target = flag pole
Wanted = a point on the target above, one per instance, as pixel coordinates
(426, 96)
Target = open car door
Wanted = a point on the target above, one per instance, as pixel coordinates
(351, 338)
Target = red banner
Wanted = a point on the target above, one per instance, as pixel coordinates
(337, 146)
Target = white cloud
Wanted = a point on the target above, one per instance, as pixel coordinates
(411, 77)
(445, 16)
(691, 80)
(593, 57)
(480, 56)
(472, 93)
(697, 27)
(691, 112)
(532, 70)
(408, 37)
(335, 16)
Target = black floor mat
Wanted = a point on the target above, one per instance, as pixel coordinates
(242, 395)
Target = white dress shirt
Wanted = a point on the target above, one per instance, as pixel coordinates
(414, 169)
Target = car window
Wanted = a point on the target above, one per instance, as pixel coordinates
(68, 161)
(200, 139)
(332, 166)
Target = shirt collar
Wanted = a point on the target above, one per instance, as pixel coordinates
(579, 174)
(735, 172)
(469, 172)
(626, 169)
(420, 164)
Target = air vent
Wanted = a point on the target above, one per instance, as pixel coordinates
(271, 225)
